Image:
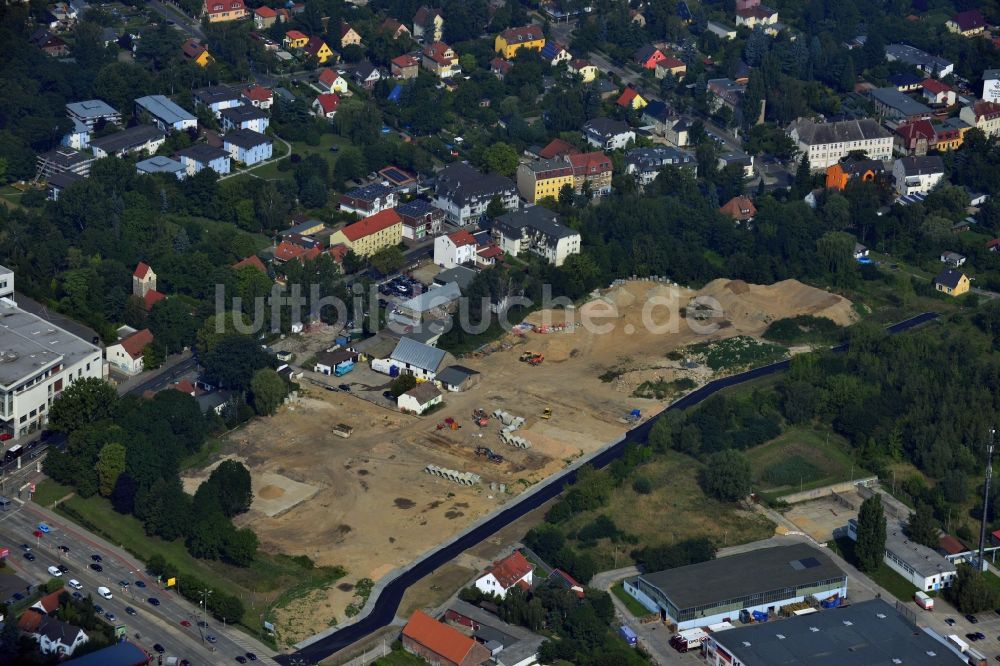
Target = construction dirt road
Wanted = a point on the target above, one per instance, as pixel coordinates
(366, 502)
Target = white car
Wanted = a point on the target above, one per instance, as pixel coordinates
(104, 592)
(75, 584)
(53, 571)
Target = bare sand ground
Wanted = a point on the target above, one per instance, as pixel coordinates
(375, 508)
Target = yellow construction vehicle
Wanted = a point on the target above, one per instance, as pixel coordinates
(527, 356)
(547, 413)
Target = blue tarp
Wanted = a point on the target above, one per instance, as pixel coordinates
(396, 93)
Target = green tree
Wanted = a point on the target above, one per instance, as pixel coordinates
(969, 592)
(835, 250)
(500, 158)
(921, 527)
(83, 402)
(870, 546)
(267, 389)
(234, 360)
(172, 325)
(218, 327)
(110, 464)
(240, 547)
(388, 260)
(153, 356)
(232, 481)
(495, 208)
(402, 384)
(727, 475)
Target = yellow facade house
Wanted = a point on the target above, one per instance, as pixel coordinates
(511, 40)
(544, 178)
(952, 282)
(374, 233)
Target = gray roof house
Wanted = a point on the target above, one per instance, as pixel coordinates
(160, 164)
(895, 105)
(460, 275)
(165, 113)
(929, 64)
(92, 111)
(417, 358)
(607, 134)
(416, 309)
(646, 163)
(457, 378)
(145, 138)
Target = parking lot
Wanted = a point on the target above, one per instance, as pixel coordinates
(987, 624)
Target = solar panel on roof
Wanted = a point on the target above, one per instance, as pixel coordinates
(395, 174)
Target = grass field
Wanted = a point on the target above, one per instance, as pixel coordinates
(802, 458)
(633, 606)
(48, 492)
(272, 579)
(740, 352)
(677, 509)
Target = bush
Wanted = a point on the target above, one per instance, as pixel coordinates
(642, 485)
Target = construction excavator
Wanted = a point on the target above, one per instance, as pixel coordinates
(480, 418)
(547, 413)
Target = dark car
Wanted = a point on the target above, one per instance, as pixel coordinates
(98, 609)
(25, 547)
(153, 601)
(139, 583)
(251, 656)
(130, 610)
(62, 568)
(77, 595)
(950, 621)
(972, 619)
(344, 387)
(18, 596)
(110, 616)
(123, 583)
(241, 659)
(159, 648)
(96, 558)
(202, 623)
(29, 557)
(64, 549)
(388, 395)
(980, 636)
(96, 567)
(330, 388)
(210, 638)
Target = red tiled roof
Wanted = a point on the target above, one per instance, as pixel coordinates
(555, 148)
(184, 386)
(141, 270)
(500, 65)
(462, 237)
(739, 208)
(228, 5)
(438, 52)
(296, 35)
(670, 62)
(258, 93)
(29, 621)
(405, 60)
(590, 163)
(50, 602)
(490, 251)
(151, 298)
(918, 129)
(287, 251)
(372, 224)
(328, 76)
(935, 87)
(344, 29)
(329, 102)
(951, 545)
(446, 641)
(252, 260)
(988, 110)
(992, 244)
(392, 25)
(627, 96)
(192, 49)
(265, 12)
(135, 343)
(338, 252)
(510, 569)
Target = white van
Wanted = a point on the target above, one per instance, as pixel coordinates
(75, 584)
(53, 571)
(104, 592)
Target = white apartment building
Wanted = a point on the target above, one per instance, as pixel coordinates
(38, 360)
(826, 143)
(536, 230)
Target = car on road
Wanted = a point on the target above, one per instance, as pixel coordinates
(972, 619)
(251, 656)
(77, 595)
(202, 623)
(139, 583)
(159, 648)
(185, 623)
(972, 637)
(241, 659)
(98, 609)
(153, 601)
(62, 568)
(97, 558)
(330, 388)
(388, 395)
(344, 387)
(111, 617)
(104, 592)
(54, 571)
(950, 621)
(18, 596)
(96, 567)
(43, 528)
(210, 638)
(75, 584)
(25, 547)
(130, 611)
(980, 636)
(63, 548)
(123, 583)
(29, 557)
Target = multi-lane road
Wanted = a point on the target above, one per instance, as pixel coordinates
(151, 624)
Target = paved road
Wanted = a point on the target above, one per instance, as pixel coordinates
(384, 600)
(174, 371)
(154, 624)
(184, 23)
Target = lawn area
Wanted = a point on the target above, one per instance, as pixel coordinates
(272, 579)
(676, 509)
(802, 458)
(400, 658)
(201, 457)
(10, 196)
(898, 586)
(633, 606)
(49, 491)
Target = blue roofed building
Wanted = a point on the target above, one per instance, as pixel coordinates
(165, 114)
(247, 146)
(203, 156)
(161, 164)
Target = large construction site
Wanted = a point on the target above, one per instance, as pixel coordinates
(400, 484)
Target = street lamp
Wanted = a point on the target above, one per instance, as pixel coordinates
(204, 608)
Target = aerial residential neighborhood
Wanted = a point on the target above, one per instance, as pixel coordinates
(499, 332)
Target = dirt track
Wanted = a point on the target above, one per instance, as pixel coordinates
(376, 509)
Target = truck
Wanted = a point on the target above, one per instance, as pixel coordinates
(958, 642)
(924, 601)
(689, 639)
(628, 635)
(342, 369)
(976, 658)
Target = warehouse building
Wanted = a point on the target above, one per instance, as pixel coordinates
(927, 569)
(763, 580)
(863, 634)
